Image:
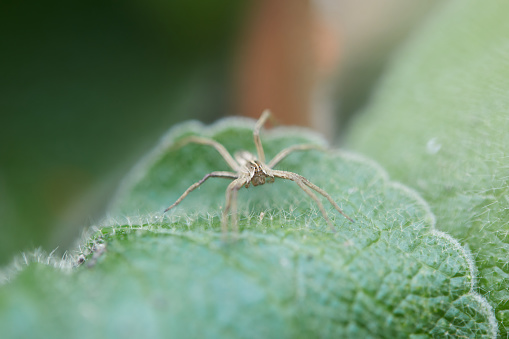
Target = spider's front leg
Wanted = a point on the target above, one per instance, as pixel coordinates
(318, 202)
(326, 195)
(307, 186)
(219, 174)
(231, 204)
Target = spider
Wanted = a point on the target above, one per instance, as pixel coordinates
(251, 170)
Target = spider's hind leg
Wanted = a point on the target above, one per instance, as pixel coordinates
(256, 134)
(210, 142)
(287, 151)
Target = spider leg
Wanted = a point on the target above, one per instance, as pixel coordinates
(191, 188)
(256, 134)
(326, 195)
(299, 178)
(284, 153)
(318, 202)
(209, 142)
(231, 203)
(234, 216)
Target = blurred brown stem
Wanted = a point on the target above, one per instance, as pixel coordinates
(275, 65)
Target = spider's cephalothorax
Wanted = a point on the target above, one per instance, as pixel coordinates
(257, 171)
(251, 170)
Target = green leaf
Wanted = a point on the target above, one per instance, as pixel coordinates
(389, 274)
(439, 123)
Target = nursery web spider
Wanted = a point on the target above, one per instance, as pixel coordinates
(250, 170)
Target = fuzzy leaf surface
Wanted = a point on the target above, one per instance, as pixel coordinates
(389, 274)
(439, 122)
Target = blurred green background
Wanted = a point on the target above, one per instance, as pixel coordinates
(86, 88)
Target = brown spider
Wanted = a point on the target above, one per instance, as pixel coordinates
(250, 170)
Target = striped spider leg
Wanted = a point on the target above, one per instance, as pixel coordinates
(248, 169)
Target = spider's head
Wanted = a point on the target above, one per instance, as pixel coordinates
(258, 180)
(259, 174)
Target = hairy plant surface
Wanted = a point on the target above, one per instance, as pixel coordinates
(389, 274)
(440, 124)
